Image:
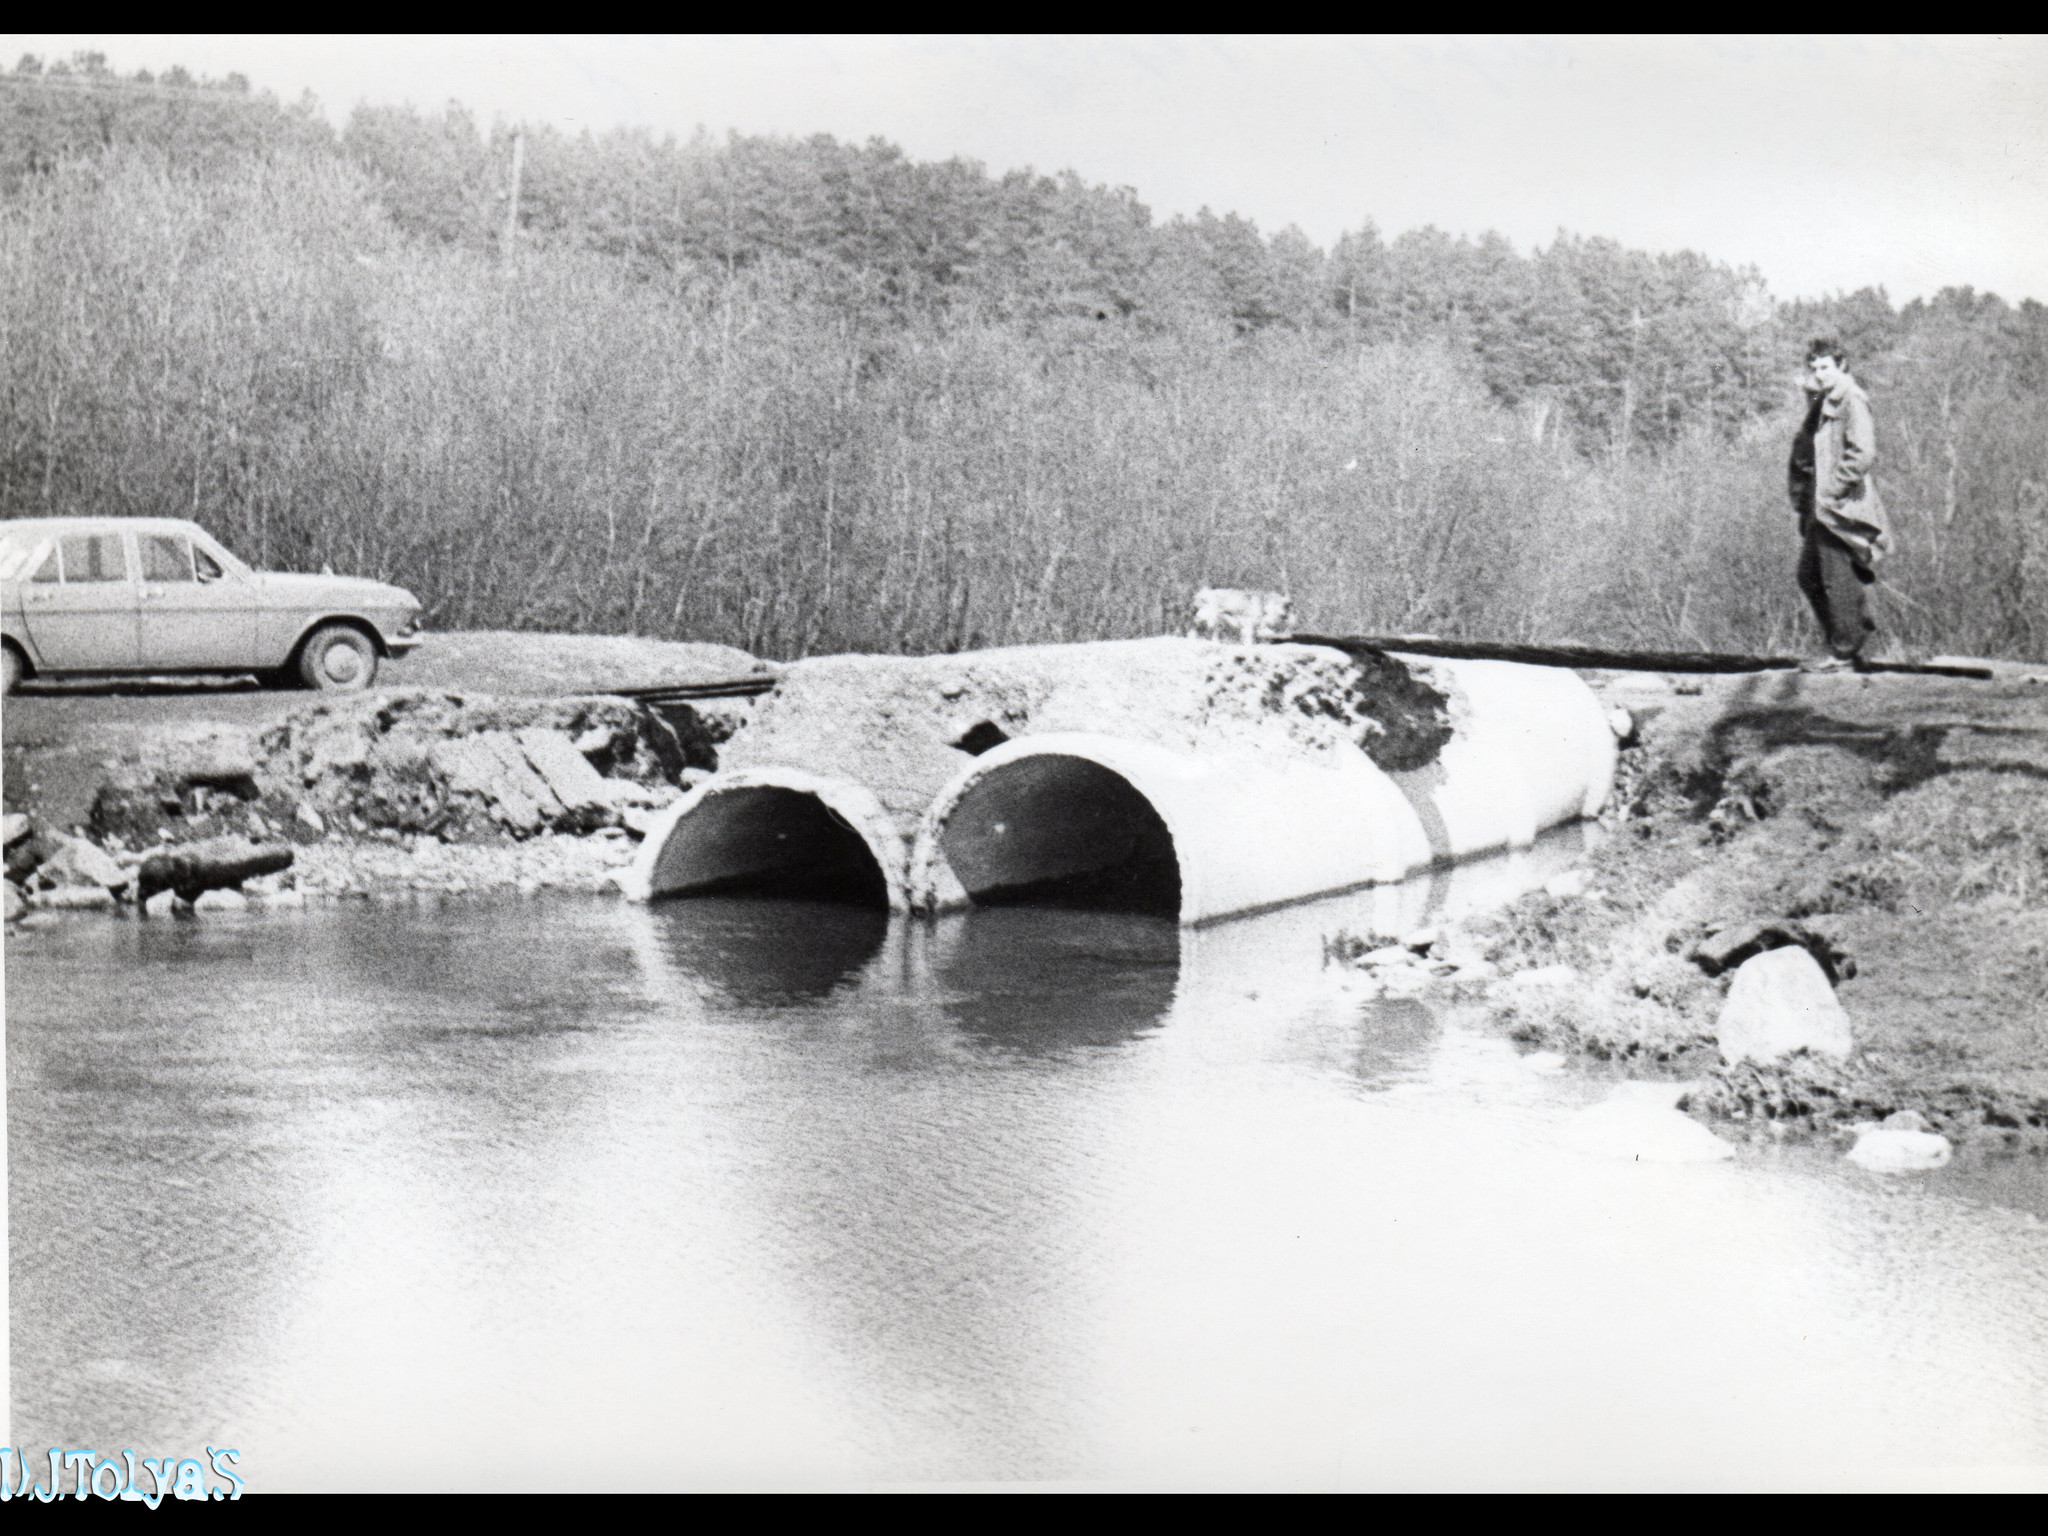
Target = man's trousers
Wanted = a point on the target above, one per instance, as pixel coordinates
(1833, 582)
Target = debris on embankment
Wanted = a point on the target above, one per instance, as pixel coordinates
(368, 793)
(1893, 829)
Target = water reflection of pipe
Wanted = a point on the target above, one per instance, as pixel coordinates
(763, 953)
(1257, 985)
(1286, 953)
(1039, 980)
(1035, 980)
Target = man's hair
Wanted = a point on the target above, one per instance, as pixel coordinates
(1827, 346)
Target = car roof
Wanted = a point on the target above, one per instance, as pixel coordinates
(41, 525)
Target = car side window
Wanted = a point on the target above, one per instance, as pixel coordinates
(209, 568)
(47, 571)
(90, 557)
(165, 557)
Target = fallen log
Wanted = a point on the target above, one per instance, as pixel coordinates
(1596, 657)
(220, 863)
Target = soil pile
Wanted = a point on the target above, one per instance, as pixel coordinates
(516, 664)
(1895, 827)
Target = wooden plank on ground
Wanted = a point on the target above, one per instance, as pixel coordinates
(681, 693)
(1590, 656)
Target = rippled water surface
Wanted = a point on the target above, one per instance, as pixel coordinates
(574, 1193)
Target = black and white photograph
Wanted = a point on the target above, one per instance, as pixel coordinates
(1004, 763)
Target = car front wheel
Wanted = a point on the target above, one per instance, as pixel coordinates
(11, 668)
(338, 658)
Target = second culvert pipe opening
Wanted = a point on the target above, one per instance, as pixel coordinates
(1061, 831)
(763, 840)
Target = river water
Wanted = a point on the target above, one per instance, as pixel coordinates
(570, 1193)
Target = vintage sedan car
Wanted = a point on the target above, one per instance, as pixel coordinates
(153, 595)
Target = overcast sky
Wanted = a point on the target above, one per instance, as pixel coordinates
(1829, 163)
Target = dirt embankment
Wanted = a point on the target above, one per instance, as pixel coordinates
(1901, 822)
(506, 783)
(410, 791)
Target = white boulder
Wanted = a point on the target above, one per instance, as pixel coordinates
(1779, 1003)
(1903, 1144)
(1641, 1122)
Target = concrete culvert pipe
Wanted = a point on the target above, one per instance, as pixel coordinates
(773, 832)
(1531, 748)
(1099, 820)
(1113, 822)
(1050, 827)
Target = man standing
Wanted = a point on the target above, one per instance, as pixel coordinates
(1841, 519)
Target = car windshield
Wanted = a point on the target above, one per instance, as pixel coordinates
(165, 557)
(205, 548)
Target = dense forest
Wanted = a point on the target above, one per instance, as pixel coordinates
(808, 396)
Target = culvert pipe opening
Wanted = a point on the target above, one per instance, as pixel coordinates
(764, 840)
(1057, 831)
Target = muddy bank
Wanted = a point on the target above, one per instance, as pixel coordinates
(416, 791)
(1896, 827)
(484, 760)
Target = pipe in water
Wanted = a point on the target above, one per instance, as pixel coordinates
(776, 832)
(1095, 819)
